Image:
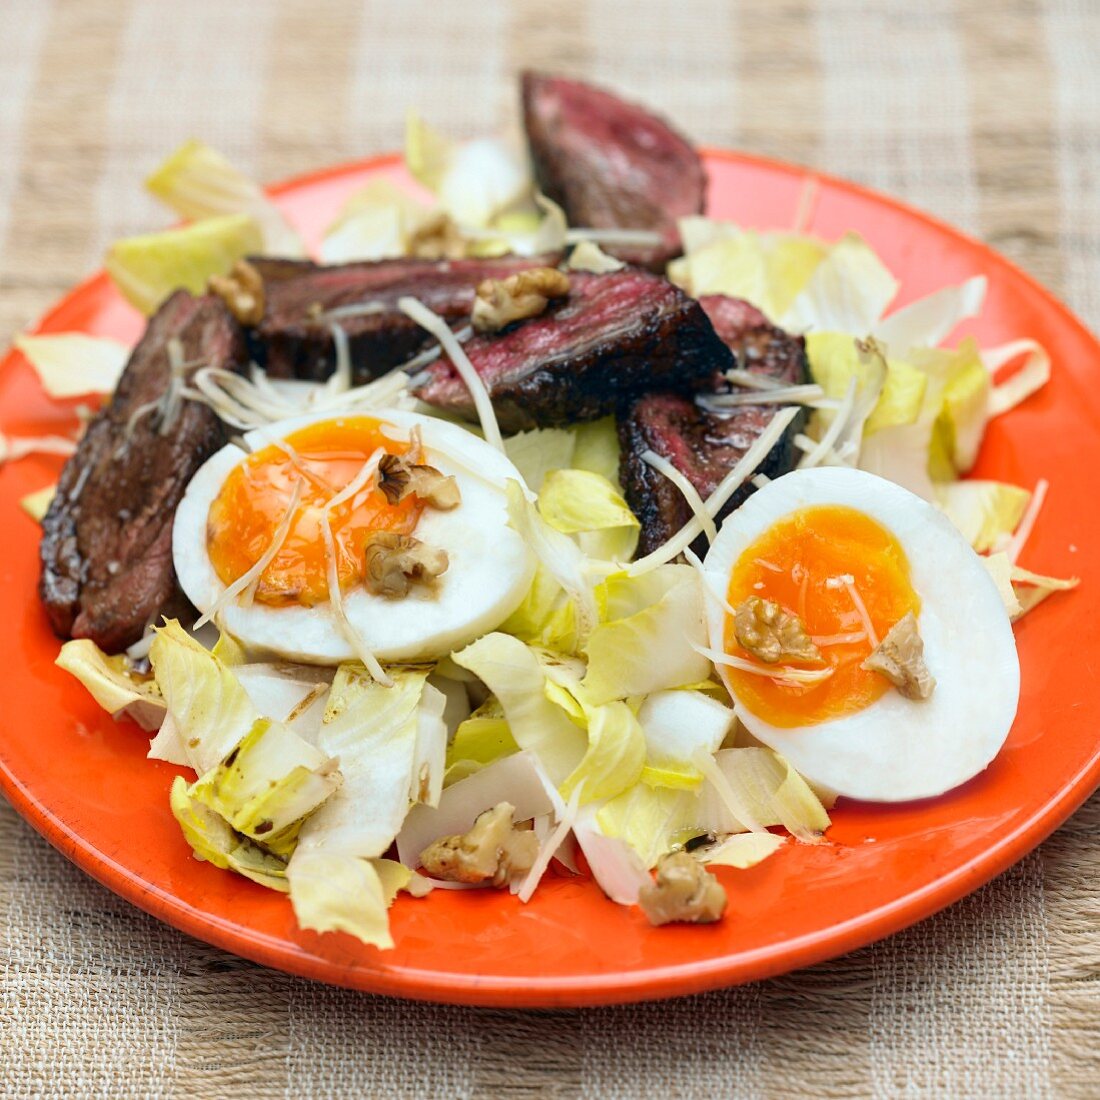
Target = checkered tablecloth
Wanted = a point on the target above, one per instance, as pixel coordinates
(986, 113)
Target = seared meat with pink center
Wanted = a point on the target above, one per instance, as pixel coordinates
(705, 446)
(611, 164)
(615, 335)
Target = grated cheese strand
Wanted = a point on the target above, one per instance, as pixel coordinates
(553, 843)
(749, 381)
(708, 585)
(340, 379)
(861, 609)
(812, 395)
(262, 562)
(1027, 524)
(713, 504)
(366, 472)
(610, 235)
(824, 446)
(336, 598)
(433, 323)
(14, 447)
(690, 493)
(822, 640)
(1029, 379)
(807, 205)
(783, 674)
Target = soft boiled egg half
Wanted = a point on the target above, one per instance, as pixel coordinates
(236, 508)
(850, 555)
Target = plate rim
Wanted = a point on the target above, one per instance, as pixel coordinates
(590, 989)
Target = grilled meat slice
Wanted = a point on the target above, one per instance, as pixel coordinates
(106, 549)
(616, 334)
(611, 164)
(704, 446)
(294, 339)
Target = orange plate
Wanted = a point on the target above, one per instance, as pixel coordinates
(85, 783)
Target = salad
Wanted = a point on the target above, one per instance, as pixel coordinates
(542, 525)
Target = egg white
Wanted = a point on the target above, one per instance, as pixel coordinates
(895, 749)
(489, 571)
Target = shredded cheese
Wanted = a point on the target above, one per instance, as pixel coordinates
(14, 447)
(336, 598)
(1029, 379)
(713, 504)
(824, 640)
(832, 434)
(690, 493)
(366, 472)
(708, 585)
(811, 395)
(355, 309)
(262, 562)
(807, 205)
(1023, 531)
(861, 610)
(747, 380)
(253, 403)
(552, 844)
(340, 379)
(439, 328)
(624, 238)
(783, 674)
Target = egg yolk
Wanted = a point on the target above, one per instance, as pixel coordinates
(254, 498)
(820, 563)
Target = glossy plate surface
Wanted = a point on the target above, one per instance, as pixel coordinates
(85, 784)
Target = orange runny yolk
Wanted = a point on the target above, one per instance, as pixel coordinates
(802, 562)
(255, 496)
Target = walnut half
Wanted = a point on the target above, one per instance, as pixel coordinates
(396, 562)
(242, 290)
(683, 891)
(499, 302)
(437, 238)
(397, 478)
(493, 850)
(900, 658)
(772, 634)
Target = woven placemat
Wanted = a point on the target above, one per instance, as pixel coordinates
(987, 114)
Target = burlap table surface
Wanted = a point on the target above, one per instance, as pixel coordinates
(987, 114)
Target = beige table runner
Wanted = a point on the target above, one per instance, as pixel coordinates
(987, 114)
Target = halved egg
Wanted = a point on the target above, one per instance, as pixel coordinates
(237, 503)
(850, 555)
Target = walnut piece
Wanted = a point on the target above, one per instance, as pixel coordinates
(684, 891)
(242, 290)
(437, 238)
(499, 302)
(900, 658)
(397, 478)
(493, 850)
(396, 562)
(772, 634)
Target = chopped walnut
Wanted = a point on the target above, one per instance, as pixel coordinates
(900, 658)
(684, 891)
(499, 302)
(397, 479)
(772, 634)
(396, 562)
(242, 290)
(493, 850)
(437, 238)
